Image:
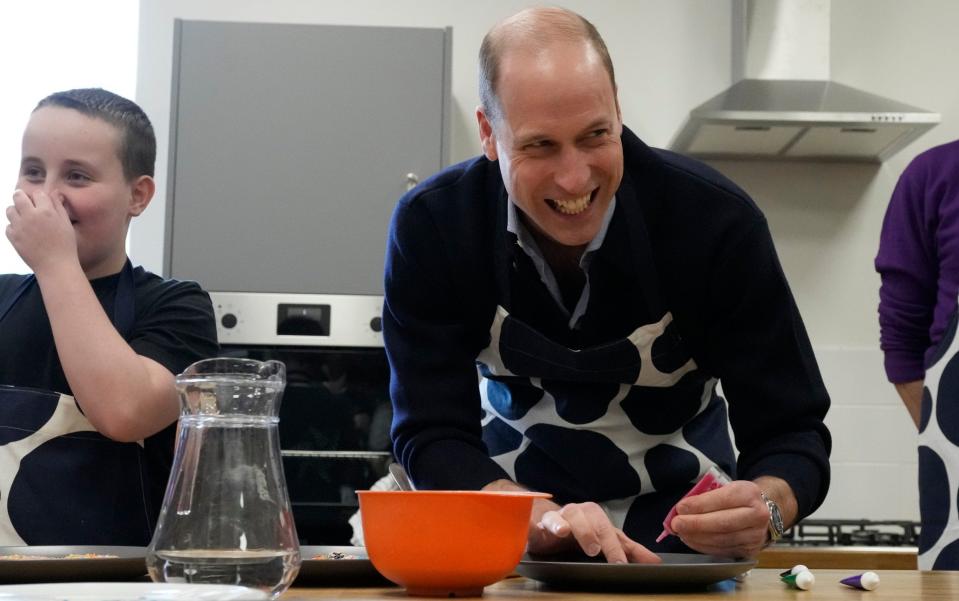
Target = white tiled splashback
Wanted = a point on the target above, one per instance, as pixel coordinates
(874, 440)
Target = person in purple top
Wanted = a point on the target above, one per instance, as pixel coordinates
(918, 262)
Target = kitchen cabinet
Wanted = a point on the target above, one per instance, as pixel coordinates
(290, 145)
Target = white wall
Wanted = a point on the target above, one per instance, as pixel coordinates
(826, 220)
(100, 37)
(669, 57)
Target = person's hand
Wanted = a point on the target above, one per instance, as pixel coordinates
(585, 525)
(40, 229)
(731, 521)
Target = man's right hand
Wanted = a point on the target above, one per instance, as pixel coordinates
(554, 529)
(584, 525)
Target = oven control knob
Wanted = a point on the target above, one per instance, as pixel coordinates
(376, 324)
(228, 320)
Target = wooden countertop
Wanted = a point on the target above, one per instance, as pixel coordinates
(861, 558)
(760, 585)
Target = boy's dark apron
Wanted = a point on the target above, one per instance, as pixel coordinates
(631, 423)
(61, 482)
(939, 458)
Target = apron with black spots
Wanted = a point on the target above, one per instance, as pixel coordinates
(631, 423)
(939, 458)
(62, 482)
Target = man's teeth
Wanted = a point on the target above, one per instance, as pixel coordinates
(572, 207)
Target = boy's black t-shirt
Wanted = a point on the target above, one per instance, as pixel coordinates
(173, 324)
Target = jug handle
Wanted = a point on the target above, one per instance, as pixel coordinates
(191, 458)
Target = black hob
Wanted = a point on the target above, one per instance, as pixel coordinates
(861, 533)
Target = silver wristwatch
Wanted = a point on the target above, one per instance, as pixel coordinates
(776, 528)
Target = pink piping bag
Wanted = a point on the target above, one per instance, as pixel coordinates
(711, 480)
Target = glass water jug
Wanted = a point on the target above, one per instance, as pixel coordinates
(226, 515)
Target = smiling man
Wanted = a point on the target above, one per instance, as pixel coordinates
(602, 289)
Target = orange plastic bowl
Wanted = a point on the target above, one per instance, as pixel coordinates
(445, 542)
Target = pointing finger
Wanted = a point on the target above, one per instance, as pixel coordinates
(635, 552)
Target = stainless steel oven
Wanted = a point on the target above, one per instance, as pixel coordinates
(335, 414)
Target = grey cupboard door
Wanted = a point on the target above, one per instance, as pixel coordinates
(290, 145)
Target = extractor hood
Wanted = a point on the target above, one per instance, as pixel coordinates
(783, 105)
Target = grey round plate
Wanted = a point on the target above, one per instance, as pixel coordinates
(356, 570)
(51, 565)
(678, 571)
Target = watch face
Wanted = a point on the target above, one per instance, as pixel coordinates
(775, 518)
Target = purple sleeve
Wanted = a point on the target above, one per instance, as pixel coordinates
(918, 261)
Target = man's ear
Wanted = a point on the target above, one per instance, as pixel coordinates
(487, 137)
(141, 194)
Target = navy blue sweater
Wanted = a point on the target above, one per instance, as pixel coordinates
(682, 239)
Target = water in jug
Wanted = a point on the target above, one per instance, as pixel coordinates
(226, 515)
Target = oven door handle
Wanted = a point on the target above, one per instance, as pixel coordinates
(337, 454)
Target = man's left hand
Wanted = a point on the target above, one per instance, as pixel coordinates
(731, 521)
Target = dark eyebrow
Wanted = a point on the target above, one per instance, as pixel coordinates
(601, 123)
(598, 124)
(81, 164)
(529, 139)
(70, 163)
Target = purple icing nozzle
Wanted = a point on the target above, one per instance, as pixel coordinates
(866, 581)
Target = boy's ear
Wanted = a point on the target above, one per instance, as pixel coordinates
(142, 193)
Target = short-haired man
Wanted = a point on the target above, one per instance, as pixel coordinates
(602, 289)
